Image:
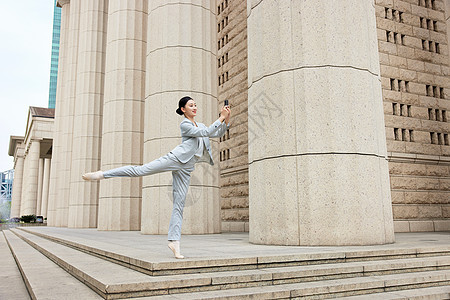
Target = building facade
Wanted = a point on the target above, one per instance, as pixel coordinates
(55, 56)
(32, 157)
(339, 116)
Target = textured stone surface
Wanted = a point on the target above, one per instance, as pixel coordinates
(418, 186)
(321, 120)
(123, 114)
(180, 62)
(56, 166)
(87, 120)
(68, 94)
(11, 282)
(30, 179)
(232, 60)
(17, 183)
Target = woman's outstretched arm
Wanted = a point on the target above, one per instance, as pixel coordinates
(189, 129)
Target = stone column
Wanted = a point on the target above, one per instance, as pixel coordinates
(123, 119)
(67, 114)
(30, 179)
(16, 196)
(39, 186)
(181, 60)
(45, 187)
(88, 106)
(318, 173)
(61, 86)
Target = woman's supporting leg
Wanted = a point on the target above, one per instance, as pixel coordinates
(181, 180)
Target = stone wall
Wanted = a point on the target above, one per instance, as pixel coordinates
(232, 80)
(414, 65)
(414, 62)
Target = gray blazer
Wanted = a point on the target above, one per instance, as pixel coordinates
(191, 135)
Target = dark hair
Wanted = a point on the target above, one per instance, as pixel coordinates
(182, 103)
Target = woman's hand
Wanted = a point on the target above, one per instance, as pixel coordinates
(224, 113)
(227, 119)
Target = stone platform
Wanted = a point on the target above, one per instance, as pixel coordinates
(118, 265)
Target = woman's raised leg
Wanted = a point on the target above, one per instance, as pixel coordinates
(165, 163)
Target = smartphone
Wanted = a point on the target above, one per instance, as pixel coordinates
(226, 103)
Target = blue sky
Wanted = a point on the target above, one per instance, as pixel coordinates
(26, 36)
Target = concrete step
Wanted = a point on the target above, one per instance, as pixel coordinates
(233, 259)
(43, 278)
(431, 293)
(366, 286)
(11, 282)
(114, 281)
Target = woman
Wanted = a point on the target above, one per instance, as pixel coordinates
(195, 147)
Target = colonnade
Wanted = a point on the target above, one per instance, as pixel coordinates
(31, 181)
(123, 66)
(318, 172)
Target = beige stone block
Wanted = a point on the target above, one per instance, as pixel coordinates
(436, 15)
(385, 24)
(408, 75)
(403, 6)
(315, 204)
(405, 51)
(401, 226)
(276, 205)
(444, 184)
(419, 10)
(446, 211)
(388, 48)
(403, 28)
(421, 226)
(385, 58)
(417, 88)
(405, 212)
(390, 71)
(430, 211)
(441, 225)
(386, 3)
(359, 55)
(333, 198)
(397, 197)
(409, 98)
(363, 131)
(395, 146)
(396, 61)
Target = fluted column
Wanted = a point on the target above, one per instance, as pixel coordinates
(54, 196)
(30, 179)
(16, 196)
(69, 94)
(45, 187)
(181, 60)
(318, 173)
(88, 106)
(123, 119)
(39, 186)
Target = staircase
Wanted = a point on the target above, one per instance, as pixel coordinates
(55, 267)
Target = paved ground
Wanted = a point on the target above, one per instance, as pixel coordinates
(153, 248)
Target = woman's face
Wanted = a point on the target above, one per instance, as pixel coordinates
(190, 109)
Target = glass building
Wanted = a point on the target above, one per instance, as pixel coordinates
(55, 56)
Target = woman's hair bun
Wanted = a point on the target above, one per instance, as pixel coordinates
(182, 103)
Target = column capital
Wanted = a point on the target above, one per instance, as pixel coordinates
(61, 3)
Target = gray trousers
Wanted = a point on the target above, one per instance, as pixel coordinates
(181, 174)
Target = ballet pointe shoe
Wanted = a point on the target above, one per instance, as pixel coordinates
(175, 247)
(93, 176)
